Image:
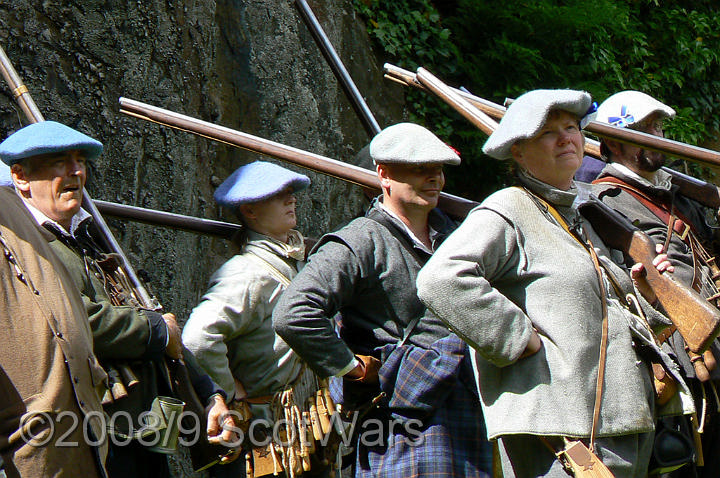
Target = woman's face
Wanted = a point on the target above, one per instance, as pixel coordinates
(555, 153)
(274, 217)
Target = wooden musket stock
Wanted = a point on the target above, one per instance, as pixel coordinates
(696, 319)
(453, 205)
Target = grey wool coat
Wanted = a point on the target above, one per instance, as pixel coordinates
(509, 268)
(230, 330)
(363, 272)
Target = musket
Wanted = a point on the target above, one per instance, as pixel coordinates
(624, 135)
(696, 189)
(338, 68)
(455, 206)
(703, 192)
(697, 320)
(33, 115)
(168, 219)
(473, 114)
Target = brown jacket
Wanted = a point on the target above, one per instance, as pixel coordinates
(47, 365)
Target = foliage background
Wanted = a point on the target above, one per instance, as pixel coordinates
(499, 49)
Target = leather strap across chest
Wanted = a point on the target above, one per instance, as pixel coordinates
(680, 225)
(673, 220)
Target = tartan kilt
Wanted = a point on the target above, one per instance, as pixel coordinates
(431, 422)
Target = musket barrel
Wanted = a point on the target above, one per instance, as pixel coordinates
(654, 143)
(338, 68)
(493, 110)
(315, 162)
(168, 219)
(453, 205)
(625, 135)
(462, 106)
(408, 78)
(19, 90)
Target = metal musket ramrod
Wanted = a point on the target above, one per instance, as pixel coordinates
(169, 219)
(338, 68)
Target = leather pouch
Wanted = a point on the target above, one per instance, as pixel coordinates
(581, 462)
(265, 461)
(672, 449)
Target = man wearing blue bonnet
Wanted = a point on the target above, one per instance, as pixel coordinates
(230, 331)
(48, 372)
(634, 183)
(48, 162)
(402, 370)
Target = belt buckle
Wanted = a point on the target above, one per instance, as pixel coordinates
(683, 235)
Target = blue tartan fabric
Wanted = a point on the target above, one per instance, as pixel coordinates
(430, 424)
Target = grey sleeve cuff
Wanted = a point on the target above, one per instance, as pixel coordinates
(347, 368)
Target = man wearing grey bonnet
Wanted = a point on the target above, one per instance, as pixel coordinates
(401, 369)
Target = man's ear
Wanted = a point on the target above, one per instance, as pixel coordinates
(383, 175)
(20, 178)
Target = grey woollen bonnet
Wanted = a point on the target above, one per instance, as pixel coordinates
(527, 115)
(409, 143)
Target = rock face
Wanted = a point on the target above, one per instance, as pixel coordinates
(247, 65)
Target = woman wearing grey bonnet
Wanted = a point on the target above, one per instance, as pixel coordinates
(529, 285)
